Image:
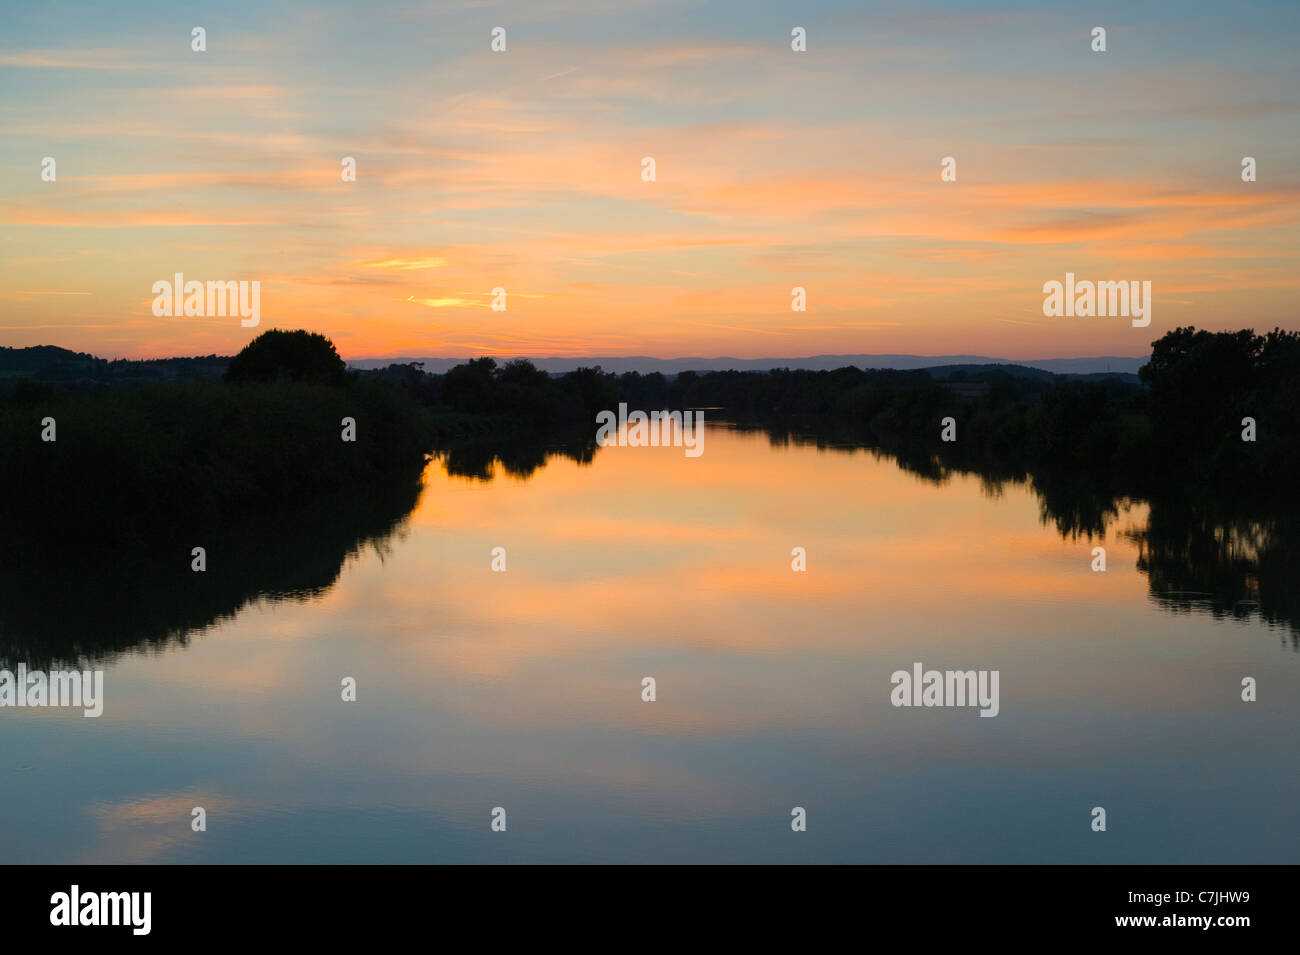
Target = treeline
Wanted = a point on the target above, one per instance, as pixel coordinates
(126, 460)
(106, 467)
(1184, 421)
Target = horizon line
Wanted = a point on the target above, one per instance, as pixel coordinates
(629, 357)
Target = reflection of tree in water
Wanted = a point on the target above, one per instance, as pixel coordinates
(73, 600)
(1077, 506)
(70, 601)
(1230, 566)
(519, 456)
(1235, 558)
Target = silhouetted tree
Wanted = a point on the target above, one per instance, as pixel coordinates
(469, 387)
(298, 356)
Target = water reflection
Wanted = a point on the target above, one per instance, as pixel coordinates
(522, 689)
(1229, 566)
(517, 456)
(67, 601)
(1227, 558)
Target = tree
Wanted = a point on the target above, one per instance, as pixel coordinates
(297, 356)
(469, 387)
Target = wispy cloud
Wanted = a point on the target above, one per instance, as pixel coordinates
(523, 171)
(75, 60)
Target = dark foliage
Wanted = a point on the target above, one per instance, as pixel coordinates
(295, 356)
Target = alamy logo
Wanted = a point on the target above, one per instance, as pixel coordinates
(196, 299)
(1086, 299)
(946, 688)
(103, 908)
(658, 429)
(83, 689)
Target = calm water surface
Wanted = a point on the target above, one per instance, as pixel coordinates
(523, 689)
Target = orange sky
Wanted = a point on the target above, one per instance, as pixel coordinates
(522, 170)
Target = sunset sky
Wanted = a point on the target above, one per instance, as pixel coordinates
(522, 170)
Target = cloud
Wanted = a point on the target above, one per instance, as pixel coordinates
(447, 302)
(406, 265)
(75, 60)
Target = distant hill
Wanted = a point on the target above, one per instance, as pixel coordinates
(673, 366)
(49, 363)
(1024, 371)
(52, 364)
